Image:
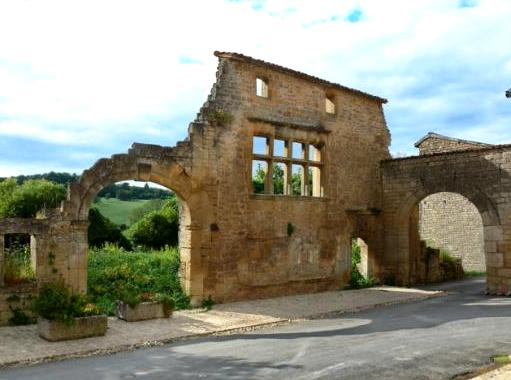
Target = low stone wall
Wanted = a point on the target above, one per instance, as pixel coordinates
(19, 297)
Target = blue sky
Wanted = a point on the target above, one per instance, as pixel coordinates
(83, 80)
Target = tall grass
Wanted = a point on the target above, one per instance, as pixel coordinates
(112, 272)
(17, 265)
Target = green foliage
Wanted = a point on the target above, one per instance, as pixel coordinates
(278, 179)
(357, 280)
(157, 229)
(208, 303)
(258, 180)
(144, 208)
(502, 359)
(102, 230)
(20, 317)
(474, 273)
(56, 302)
(126, 192)
(61, 178)
(446, 257)
(220, 117)
(17, 265)
(24, 201)
(290, 229)
(115, 274)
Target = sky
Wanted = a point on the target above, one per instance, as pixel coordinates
(81, 80)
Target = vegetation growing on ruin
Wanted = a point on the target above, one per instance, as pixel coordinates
(114, 272)
(357, 280)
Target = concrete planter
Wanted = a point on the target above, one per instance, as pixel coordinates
(83, 327)
(141, 312)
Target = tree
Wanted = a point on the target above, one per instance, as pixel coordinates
(157, 228)
(102, 230)
(24, 201)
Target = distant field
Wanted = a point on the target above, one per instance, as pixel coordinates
(116, 210)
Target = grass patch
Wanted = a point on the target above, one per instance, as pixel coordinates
(501, 359)
(474, 273)
(118, 211)
(113, 272)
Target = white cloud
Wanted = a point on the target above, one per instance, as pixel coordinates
(96, 72)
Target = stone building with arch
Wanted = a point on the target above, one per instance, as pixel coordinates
(292, 233)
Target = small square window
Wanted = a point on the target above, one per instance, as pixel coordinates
(261, 87)
(330, 104)
(260, 145)
(298, 151)
(280, 148)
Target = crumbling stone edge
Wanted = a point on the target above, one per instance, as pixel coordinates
(223, 332)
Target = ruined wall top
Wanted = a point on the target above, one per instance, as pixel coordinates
(435, 143)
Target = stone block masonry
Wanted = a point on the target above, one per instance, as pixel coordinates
(292, 234)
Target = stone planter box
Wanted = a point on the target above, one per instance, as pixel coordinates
(141, 312)
(83, 327)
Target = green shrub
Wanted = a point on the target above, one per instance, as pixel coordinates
(208, 303)
(20, 317)
(115, 274)
(357, 280)
(158, 228)
(24, 201)
(102, 230)
(56, 302)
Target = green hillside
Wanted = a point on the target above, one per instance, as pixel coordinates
(116, 210)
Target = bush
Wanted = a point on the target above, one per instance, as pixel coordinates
(157, 229)
(102, 230)
(56, 302)
(357, 280)
(24, 201)
(115, 274)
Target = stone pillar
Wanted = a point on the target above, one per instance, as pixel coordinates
(33, 253)
(1, 260)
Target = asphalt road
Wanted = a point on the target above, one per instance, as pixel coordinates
(433, 339)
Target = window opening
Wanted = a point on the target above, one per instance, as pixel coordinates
(329, 104)
(280, 148)
(279, 178)
(297, 180)
(19, 259)
(314, 188)
(260, 145)
(261, 87)
(259, 172)
(298, 151)
(314, 153)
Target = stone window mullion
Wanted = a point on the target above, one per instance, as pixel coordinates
(269, 175)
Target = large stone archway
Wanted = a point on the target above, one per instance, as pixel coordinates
(482, 176)
(145, 164)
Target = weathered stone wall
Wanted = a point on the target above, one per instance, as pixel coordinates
(235, 244)
(451, 222)
(434, 145)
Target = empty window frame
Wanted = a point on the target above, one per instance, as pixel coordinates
(330, 104)
(261, 87)
(260, 145)
(18, 259)
(259, 177)
(282, 166)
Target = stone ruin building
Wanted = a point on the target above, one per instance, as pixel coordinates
(236, 244)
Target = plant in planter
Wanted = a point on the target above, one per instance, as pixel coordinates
(138, 307)
(64, 315)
